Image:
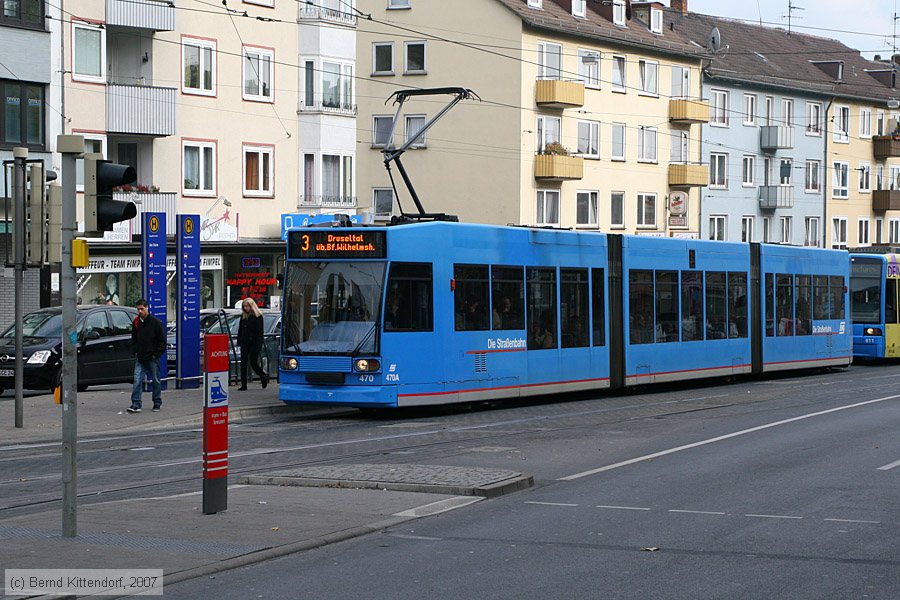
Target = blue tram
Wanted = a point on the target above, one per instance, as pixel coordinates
(442, 312)
(874, 278)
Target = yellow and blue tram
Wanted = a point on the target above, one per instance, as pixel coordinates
(874, 278)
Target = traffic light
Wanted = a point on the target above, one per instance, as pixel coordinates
(100, 177)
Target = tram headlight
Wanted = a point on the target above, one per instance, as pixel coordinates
(366, 365)
(872, 331)
(289, 363)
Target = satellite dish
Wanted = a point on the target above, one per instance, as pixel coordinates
(715, 40)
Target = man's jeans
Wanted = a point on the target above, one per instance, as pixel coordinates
(151, 368)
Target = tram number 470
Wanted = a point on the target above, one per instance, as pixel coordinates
(367, 379)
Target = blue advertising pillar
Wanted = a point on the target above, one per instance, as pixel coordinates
(187, 274)
(153, 258)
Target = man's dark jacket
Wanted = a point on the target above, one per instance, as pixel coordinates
(148, 339)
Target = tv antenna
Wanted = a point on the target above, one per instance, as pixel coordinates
(790, 13)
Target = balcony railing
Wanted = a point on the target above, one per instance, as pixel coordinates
(155, 15)
(343, 15)
(556, 93)
(329, 108)
(140, 109)
(166, 202)
(776, 196)
(688, 175)
(776, 137)
(885, 200)
(326, 201)
(885, 146)
(688, 110)
(558, 167)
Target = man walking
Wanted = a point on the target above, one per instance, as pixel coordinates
(148, 343)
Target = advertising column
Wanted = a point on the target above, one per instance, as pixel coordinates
(215, 423)
(153, 255)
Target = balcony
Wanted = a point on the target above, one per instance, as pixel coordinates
(776, 137)
(776, 196)
(141, 14)
(686, 111)
(885, 200)
(558, 167)
(688, 175)
(140, 110)
(165, 202)
(556, 93)
(340, 13)
(315, 201)
(886, 146)
(328, 108)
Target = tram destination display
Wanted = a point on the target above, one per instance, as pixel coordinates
(337, 243)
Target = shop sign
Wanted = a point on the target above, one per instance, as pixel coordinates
(677, 221)
(219, 230)
(125, 264)
(252, 285)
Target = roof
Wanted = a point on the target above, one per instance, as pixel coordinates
(771, 56)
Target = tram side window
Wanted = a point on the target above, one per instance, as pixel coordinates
(640, 307)
(541, 300)
(890, 301)
(820, 298)
(409, 305)
(784, 304)
(737, 305)
(715, 306)
(666, 306)
(691, 306)
(573, 307)
(770, 305)
(804, 305)
(471, 297)
(509, 293)
(599, 306)
(837, 297)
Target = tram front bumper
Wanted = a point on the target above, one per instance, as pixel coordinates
(867, 346)
(372, 396)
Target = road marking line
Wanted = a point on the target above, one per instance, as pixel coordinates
(774, 516)
(549, 503)
(415, 537)
(696, 512)
(853, 521)
(719, 439)
(434, 508)
(624, 507)
(890, 466)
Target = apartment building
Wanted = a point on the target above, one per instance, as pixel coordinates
(589, 113)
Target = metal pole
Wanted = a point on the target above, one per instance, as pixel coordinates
(70, 146)
(20, 155)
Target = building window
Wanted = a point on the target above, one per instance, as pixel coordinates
(589, 68)
(680, 150)
(841, 179)
(767, 112)
(841, 124)
(337, 179)
(718, 170)
(618, 141)
(767, 230)
(717, 225)
(586, 209)
(839, 233)
(647, 144)
(718, 109)
(589, 139)
(548, 207)
(879, 231)
(198, 58)
(414, 125)
(787, 224)
(383, 58)
(812, 232)
(879, 122)
(93, 144)
(259, 72)
(813, 118)
(199, 168)
(547, 131)
(259, 168)
(749, 109)
(863, 231)
(865, 122)
(617, 210)
(748, 168)
(23, 13)
(649, 72)
(618, 12)
(879, 177)
(415, 57)
(812, 176)
(549, 61)
(381, 131)
(656, 20)
(681, 82)
(535, 3)
(865, 178)
(578, 8)
(383, 202)
(787, 112)
(22, 116)
(646, 210)
(748, 227)
(894, 231)
(618, 73)
(399, 4)
(337, 87)
(88, 52)
(786, 172)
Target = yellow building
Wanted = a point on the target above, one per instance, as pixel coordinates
(589, 113)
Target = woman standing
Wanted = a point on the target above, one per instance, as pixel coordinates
(250, 339)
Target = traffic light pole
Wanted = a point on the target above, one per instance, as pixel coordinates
(71, 147)
(20, 155)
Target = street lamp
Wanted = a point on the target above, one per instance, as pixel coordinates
(221, 199)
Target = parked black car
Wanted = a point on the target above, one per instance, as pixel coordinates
(104, 347)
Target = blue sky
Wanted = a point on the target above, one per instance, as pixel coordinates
(833, 18)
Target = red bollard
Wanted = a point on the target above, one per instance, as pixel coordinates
(215, 423)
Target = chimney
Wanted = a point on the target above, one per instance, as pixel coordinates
(679, 5)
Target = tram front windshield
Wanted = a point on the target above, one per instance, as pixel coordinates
(331, 307)
(865, 290)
